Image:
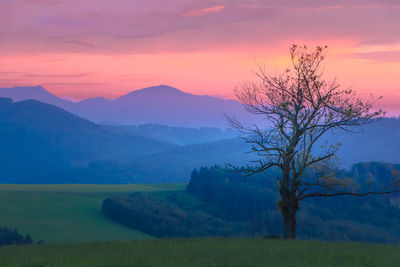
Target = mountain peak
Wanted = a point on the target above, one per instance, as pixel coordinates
(31, 92)
(160, 90)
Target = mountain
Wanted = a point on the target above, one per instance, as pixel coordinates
(174, 165)
(157, 105)
(178, 135)
(37, 139)
(376, 142)
(379, 141)
(41, 141)
(36, 92)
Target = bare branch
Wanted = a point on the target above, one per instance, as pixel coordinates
(301, 107)
(319, 194)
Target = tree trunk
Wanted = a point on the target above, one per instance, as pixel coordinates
(288, 210)
(288, 205)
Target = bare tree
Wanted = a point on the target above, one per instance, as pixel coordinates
(301, 107)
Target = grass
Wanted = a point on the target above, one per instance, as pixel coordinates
(202, 252)
(63, 215)
(68, 213)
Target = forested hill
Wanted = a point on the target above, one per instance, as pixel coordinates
(43, 143)
(178, 135)
(38, 138)
(344, 218)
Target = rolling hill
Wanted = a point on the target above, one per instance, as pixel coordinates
(43, 143)
(177, 135)
(177, 164)
(375, 143)
(38, 138)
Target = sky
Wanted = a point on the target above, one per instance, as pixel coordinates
(88, 48)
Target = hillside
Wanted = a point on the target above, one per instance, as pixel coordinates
(158, 105)
(38, 138)
(177, 164)
(378, 141)
(68, 213)
(374, 143)
(178, 135)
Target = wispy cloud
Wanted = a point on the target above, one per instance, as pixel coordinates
(383, 52)
(141, 26)
(44, 2)
(203, 11)
(75, 75)
(378, 48)
(384, 56)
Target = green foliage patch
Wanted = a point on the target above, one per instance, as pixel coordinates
(174, 215)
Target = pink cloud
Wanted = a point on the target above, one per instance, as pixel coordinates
(387, 56)
(97, 26)
(203, 11)
(44, 2)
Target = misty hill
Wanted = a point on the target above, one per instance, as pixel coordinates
(44, 143)
(177, 135)
(177, 164)
(378, 142)
(38, 138)
(157, 105)
(174, 165)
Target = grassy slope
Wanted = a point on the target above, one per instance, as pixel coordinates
(202, 252)
(67, 213)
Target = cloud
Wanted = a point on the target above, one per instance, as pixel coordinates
(75, 75)
(203, 11)
(44, 2)
(387, 56)
(157, 26)
(378, 48)
(382, 52)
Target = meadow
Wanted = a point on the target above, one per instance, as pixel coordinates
(68, 213)
(69, 220)
(202, 252)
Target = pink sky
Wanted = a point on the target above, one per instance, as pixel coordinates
(88, 48)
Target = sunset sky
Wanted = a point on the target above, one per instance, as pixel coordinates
(87, 48)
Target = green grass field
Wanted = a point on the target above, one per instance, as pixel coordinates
(68, 213)
(202, 252)
(63, 215)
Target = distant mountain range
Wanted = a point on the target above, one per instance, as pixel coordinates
(158, 105)
(42, 143)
